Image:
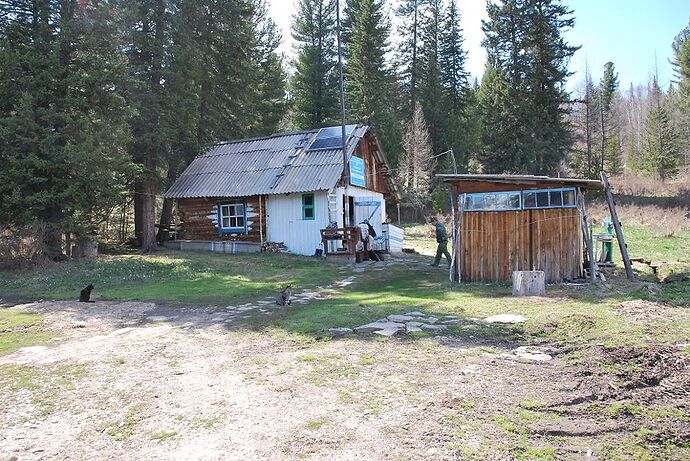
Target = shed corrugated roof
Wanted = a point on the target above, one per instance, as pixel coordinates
(276, 164)
(521, 180)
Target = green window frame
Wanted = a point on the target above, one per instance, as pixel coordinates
(308, 207)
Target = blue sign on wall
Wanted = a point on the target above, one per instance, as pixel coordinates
(357, 172)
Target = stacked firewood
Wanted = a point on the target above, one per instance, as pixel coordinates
(274, 247)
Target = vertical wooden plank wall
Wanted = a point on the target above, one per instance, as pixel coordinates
(494, 244)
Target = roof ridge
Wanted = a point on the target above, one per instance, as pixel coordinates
(260, 138)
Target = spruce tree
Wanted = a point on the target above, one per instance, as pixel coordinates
(314, 85)
(370, 93)
(525, 46)
(459, 133)
(408, 60)
(606, 93)
(271, 102)
(431, 91)
(63, 118)
(660, 144)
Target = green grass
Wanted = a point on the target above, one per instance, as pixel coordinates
(169, 275)
(163, 435)
(651, 244)
(20, 329)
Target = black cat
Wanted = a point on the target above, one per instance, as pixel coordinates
(85, 294)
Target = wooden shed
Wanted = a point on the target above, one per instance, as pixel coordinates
(506, 223)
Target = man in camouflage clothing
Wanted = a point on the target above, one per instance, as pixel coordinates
(442, 240)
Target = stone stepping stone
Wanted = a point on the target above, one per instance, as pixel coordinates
(412, 329)
(337, 332)
(416, 314)
(433, 328)
(505, 318)
(451, 322)
(392, 331)
(532, 353)
(376, 326)
(401, 318)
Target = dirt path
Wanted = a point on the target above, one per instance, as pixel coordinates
(129, 380)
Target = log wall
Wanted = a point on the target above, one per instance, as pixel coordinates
(494, 244)
(199, 219)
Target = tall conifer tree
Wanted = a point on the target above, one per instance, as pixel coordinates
(315, 81)
(525, 44)
(63, 118)
(370, 92)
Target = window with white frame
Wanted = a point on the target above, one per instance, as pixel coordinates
(231, 217)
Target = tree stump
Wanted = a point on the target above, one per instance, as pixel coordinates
(529, 283)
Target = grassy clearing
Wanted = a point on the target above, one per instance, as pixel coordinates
(20, 329)
(170, 275)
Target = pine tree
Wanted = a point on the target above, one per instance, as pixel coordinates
(370, 92)
(315, 80)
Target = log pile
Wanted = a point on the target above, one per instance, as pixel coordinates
(274, 247)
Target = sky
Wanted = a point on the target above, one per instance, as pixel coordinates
(633, 34)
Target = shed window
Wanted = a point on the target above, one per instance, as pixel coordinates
(516, 200)
(494, 201)
(232, 217)
(308, 206)
(549, 198)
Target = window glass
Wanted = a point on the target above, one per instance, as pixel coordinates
(232, 216)
(555, 198)
(569, 197)
(514, 201)
(474, 202)
(490, 202)
(307, 206)
(542, 199)
(530, 200)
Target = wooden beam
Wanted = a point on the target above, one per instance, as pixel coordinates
(617, 227)
(587, 236)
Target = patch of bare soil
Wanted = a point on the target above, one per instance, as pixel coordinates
(144, 381)
(640, 311)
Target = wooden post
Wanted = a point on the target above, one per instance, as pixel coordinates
(587, 236)
(261, 226)
(458, 213)
(617, 227)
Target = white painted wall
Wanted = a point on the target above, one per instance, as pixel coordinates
(285, 223)
(363, 212)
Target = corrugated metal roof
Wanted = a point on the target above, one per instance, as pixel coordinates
(277, 164)
(521, 179)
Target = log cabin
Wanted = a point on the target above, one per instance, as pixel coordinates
(281, 188)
